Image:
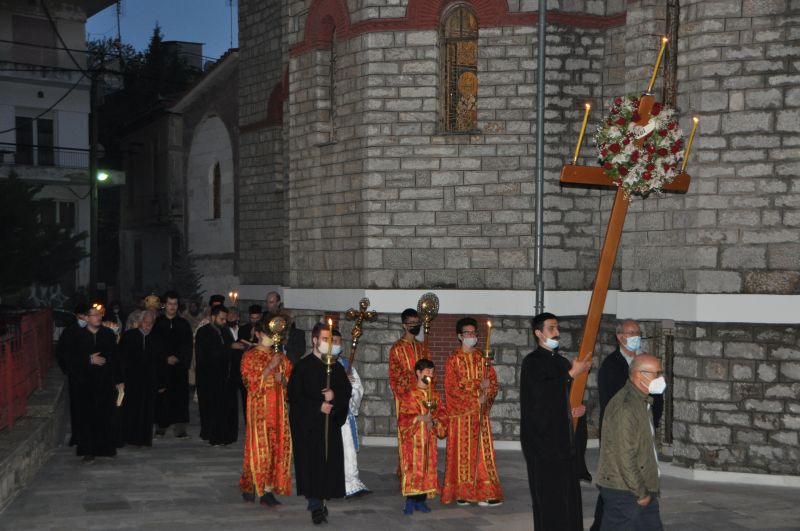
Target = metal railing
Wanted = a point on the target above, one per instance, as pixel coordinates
(37, 155)
(26, 353)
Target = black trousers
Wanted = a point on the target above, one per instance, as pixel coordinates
(621, 512)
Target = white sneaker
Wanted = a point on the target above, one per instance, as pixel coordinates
(490, 503)
(462, 502)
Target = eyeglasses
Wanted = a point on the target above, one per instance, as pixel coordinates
(657, 373)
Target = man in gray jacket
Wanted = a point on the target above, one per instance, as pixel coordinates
(628, 474)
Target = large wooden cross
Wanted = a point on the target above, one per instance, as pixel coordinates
(595, 176)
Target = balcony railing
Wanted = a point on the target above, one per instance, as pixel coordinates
(33, 155)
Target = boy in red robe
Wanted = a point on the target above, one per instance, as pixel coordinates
(421, 418)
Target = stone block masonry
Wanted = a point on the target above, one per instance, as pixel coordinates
(359, 186)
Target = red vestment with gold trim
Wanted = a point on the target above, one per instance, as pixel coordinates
(268, 439)
(462, 386)
(415, 478)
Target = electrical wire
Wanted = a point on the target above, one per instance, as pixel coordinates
(61, 39)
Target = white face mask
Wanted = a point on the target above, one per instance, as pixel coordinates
(469, 342)
(322, 346)
(551, 343)
(337, 349)
(657, 386)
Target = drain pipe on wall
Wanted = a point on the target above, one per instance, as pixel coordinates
(539, 308)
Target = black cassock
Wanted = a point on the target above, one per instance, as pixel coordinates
(216, 385)
(548, 442)
(316, 477)
(95, 390)
(142, 357)
(172, 406)
(67, 342)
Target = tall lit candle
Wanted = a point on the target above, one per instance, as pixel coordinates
(580, 136)
(488, 335)
(664, 41)
(330, 328)
(696, 121)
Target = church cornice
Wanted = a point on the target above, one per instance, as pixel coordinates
(329, 20)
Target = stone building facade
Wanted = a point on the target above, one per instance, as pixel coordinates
(352, 184)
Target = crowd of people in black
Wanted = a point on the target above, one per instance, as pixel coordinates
(131, 378)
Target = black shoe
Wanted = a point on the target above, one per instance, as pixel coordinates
(160, 433)
(88, 459)
(182, 435)
(587, 477)
(318, 516)
(269, 500)
(249, 496)
(462, 502)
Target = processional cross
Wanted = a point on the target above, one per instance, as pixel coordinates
(596, 176)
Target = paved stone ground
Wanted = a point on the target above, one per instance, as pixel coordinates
(187, 484)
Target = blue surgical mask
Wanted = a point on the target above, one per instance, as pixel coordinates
(82, 323)
(337, 349)
(552, 344)
(633, 343)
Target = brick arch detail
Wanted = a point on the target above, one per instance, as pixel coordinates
(278, 96)
(327, 19)
(428, 13)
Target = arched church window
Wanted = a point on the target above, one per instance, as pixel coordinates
(216, 192)
(460, 37)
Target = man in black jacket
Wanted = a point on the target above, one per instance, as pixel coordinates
(614, 372)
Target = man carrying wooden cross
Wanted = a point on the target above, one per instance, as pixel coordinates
(546, 432)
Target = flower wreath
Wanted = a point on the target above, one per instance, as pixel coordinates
(640, 159)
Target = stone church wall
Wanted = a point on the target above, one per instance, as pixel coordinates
(369, 193)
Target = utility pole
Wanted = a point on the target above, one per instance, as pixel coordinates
(94, 201)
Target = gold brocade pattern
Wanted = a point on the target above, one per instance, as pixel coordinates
(268, 441)
(415, 478)
(462, 383)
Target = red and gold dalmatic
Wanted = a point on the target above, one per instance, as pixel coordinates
(268, 441)
(462, 386)
(402, 357)
(402, 378)
(415, 478)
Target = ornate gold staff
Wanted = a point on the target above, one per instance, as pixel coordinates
(328, 359)
(359, 316)
(277, 327)
(428, 308)
(431, 404)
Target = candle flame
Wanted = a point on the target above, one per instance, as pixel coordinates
(695, 119)
(588, 106)
(330, 322)
(664, 39)
(489, 324)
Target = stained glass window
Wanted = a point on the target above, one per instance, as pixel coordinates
(460, 34)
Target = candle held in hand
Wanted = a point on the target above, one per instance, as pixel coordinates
(488, 335)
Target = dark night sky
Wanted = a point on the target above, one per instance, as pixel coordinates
(206, 21)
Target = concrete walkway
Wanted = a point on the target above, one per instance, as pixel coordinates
(186, 484)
